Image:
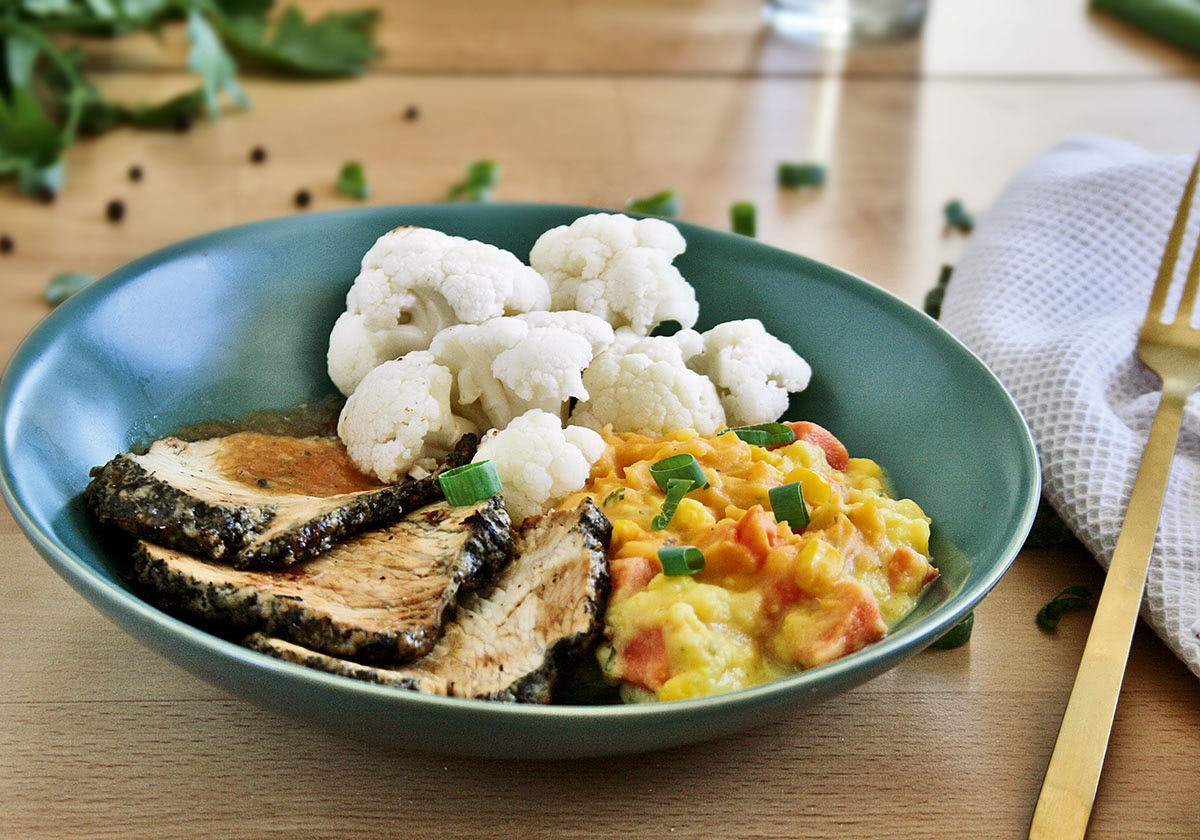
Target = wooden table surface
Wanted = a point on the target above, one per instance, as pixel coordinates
(592, 102)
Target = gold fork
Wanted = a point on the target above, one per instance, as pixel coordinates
(1173, 352)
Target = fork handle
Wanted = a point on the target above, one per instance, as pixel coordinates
(1069, 788)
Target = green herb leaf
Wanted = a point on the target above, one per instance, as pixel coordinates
(957, 216)
(478, 182)
(791, 174)
(958, 635)
(1072, 598)
(336, 44)
(665, 203)
(615, 496)
(352, 180)
(677, 488)
(30, 144)
(742, 218)
(208, 57)
(62, 286)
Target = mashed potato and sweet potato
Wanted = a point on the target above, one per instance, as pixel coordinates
(770, 600)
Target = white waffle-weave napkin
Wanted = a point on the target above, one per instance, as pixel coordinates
(1051, 292)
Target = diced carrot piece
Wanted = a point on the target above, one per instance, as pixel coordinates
(841, 622)
(835, 452)
(907, 570)
(631, 574)
(644, 660)
(757, 530)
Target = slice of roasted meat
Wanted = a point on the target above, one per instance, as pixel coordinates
(252, 500)
(509, 640)
(383, 594)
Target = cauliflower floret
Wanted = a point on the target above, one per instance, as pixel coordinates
(414, 282)
(644, 386)
(355, 350)
(539, 462)
(618, 268)
(753, 371)
(506, 366)
(398, 421)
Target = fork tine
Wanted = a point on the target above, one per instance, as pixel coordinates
(1166, 269)
(1187, 303)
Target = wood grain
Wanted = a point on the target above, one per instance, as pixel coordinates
(593, 102)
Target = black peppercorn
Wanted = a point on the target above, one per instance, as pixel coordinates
(258, 154)
(303, 198)
(6, 243)
(411, 113)
(115, 210)
(135, 173)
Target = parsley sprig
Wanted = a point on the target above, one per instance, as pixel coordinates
(47, 101)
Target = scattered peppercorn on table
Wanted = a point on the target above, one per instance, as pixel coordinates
(597, 103)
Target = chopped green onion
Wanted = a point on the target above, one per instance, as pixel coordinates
(615, 496)
(956, 636)
(1048, 528)
(62, 286)
(680, 560)
(352, 180)
(1071, 598)
(665, 203)
(678, 466)
(1177, 21)
(957, 216)
(787, 503)
(677, 488)
(470, 483)
(742, 218)
(477, 183)
(764, 434)
(935, 296)
(801, 174)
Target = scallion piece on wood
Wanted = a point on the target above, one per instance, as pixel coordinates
(470, 483)
(787, 503)
(665, 203)
(62, 286)
(957, 216)
(764, 434)
(677, 488)
(742, 218)
(1071, 598)
(956, 636)
(678, 466)
(681, 560)
(801, 174)
(352, 180)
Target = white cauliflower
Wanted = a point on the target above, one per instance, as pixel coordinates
(618, 268)
(644, 385)
(398, 421)
(507, 366)
(355, 350)
(539, 462)
(414, 282)
(753, 371)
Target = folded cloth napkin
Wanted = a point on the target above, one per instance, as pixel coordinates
(1050, 293)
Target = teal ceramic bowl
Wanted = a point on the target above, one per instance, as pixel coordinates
(238, 320)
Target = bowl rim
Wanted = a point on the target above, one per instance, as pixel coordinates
(113, 599)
